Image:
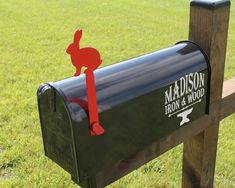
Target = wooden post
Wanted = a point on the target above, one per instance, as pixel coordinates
(208, 27)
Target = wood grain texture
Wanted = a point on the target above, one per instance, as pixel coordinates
(228, 102)
(209, 29)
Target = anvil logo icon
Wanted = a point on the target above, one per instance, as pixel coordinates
(184, 115)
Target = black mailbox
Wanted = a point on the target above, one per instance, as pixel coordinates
(140, 101)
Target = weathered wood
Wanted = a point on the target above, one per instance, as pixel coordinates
(208, 28)
(228, 101)
(221, 109)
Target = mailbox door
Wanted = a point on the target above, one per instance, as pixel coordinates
(56, 129)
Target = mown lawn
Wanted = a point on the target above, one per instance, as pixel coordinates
(33, 38)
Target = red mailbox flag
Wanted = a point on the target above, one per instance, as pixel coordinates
(89, 58)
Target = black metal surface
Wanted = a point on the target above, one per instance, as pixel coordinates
(132, 107)
(211, 4)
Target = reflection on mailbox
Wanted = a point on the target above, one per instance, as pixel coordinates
(140, 101)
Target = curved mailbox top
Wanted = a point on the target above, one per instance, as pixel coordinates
(121, 82)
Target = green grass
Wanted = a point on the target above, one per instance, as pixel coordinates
(33, 38)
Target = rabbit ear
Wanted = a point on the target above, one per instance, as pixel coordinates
(77, 36)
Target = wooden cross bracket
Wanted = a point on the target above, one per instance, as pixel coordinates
(227, 103)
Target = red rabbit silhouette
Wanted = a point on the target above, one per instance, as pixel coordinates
(89, 58)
